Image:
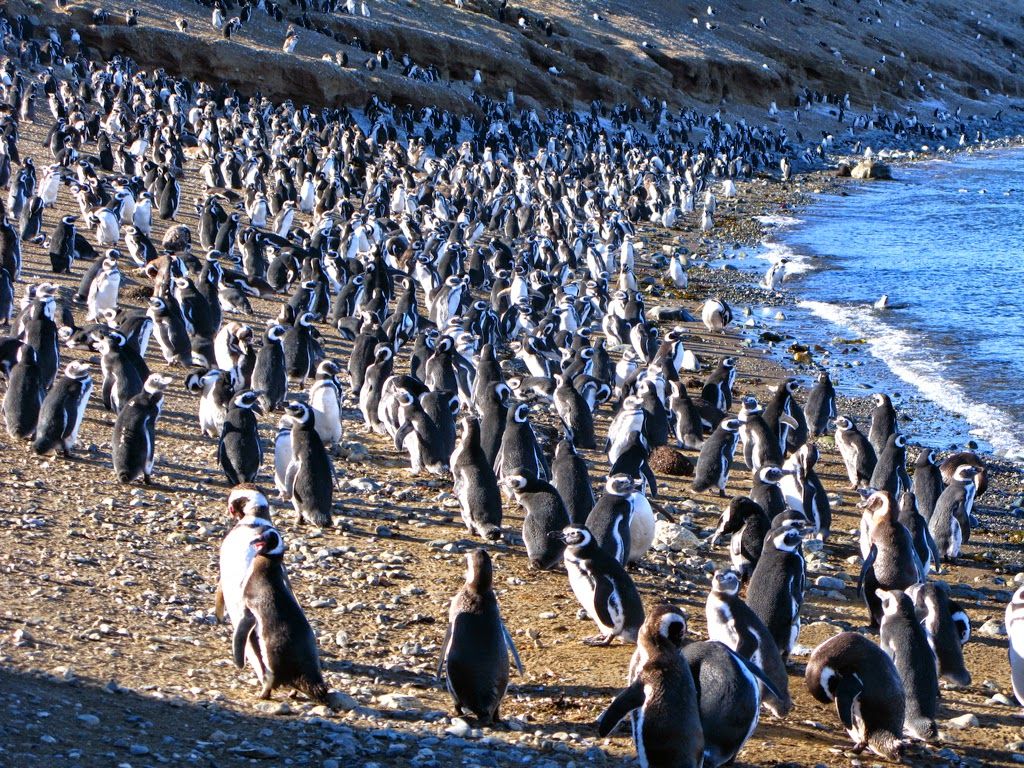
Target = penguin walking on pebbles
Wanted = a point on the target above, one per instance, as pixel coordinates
(543, 522)
(62, 411)
(857, 453)
(776, 589)
(1015, 632)
(24, 395)
(862, 680)
(309, 480)
(268, 374)
(733, 623)
(474, 654)
(475, 484)
(905, 640)
(608, 521)
(602, 587)
(667, 729)
(133, 444)
(715, 459)
(240, 452)
(571, 479)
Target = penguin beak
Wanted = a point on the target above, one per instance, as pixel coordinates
(557, 535)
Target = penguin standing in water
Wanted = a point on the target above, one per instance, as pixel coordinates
(62, 410)
(776, 589)
(892, 561)
(715, 458)
(240, 452)
(821, 405)
(1015, 632)
(950, 524)
(667, 729)
(309, 480)
(858, 455)
(475, 485)
(571, 479)
(862, 680)
(747, 523)
(732, 622)
(24, 395)
(948, 629)
(474, 654)
(602, 587)
(927, 483)
(273, 633)
(608, 521)
(543, 522)
(905, 640)
(133, 445)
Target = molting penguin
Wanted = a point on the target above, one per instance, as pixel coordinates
(715, 458)
(602, 587)
(863, 682)
(240, 452)
(905, 640)
(858, 455)
(776, 589)
(543, 522)
(133, 445)
(667, 729)
(62, 410)
(950, 524)
(475, 485)
(571, 479)
(309, 480)
(474, 655)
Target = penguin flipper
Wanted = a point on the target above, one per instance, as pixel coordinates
(866, 567)
(628, 700)
(602, 591)
(241, 637)
(218, 604)
(510, 643)
(758, 673)
(403, 432)
(848, 691)
(442, 657)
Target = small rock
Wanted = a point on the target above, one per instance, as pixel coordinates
(992, 628)
(23, 639)
(90, 720)
(139, 749)
(338, 700)
(674, 537)
(399, 701)
(273, 707)
(459, 728)
(969, 720)
(1000, 699)
(829, 582)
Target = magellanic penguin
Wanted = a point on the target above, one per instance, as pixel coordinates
(571, 479)
(475, 484)
(62, 410)
(747, 524)
(325, 400)
(820, 408)
(250, 512)
(715, 314)
(608, 522)
(520, 454)
(717, 390)
(948, 629)
(603, 588)
(776, 589)
(892, 562)
(268, 375)
(905, 640)
(133, 444)
(309, 479)
(474, 655)
(240, 452)
(950, 524)
(572, 408)
(543, 522)
(688, 425)
(890, 472)
(883, 422)
(273, 633)
(667, 729)
(1015, 632)
(804, 491)
(24, 395)
(927, 483)
(862, 680)
(715, 458)
(858, 455)
(732, 622)
(924, 544)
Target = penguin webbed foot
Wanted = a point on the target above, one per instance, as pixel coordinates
(598, 641)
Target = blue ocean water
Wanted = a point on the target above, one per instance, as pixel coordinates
(945, 241)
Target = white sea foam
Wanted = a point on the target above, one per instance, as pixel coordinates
(923, 368)
(778, 220)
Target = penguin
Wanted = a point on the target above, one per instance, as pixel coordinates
(574, 413)
(776, 589)
(892, 562)
(250, 511)
(732, 622)
(667, 729)
(543, 522)
(602, 587)
(63, 246)
(273, 633)
(269, 378)
(474, 654)
(767, 494)
(642, 523)
(717, 390)
(609, 520)
(1015, 632)
(890, 473)
(419, 435)
(520, 454)
(950, 464)
(761, 445)
(309, 479)
(216, 393)
(883, 422)
(325, 399)
(133, 444)
(239, 451)
(785, 418)
(170, 330)
(124, 371)
(282, 456)
(715, 314)
(924, 544)
(493, 412)
(857, 453)
(24, 395)
(905, 640)
(747, 523)
(927, 484)
(820, 408)
(713, 463)
(948, 629)
(630, 419)
(862, 680)
(62, 410)
(804, 491)
(475, 484)
(950, 524)
(634, 461)
(570, 478)
(688, 426)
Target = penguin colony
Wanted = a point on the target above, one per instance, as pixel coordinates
(485, 291)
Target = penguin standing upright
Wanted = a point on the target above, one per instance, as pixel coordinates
(905, 640)
(309, 481)
(715, 458)
(748, 524)
(776, 589)
(892, 561)
(948, 629)
(240, 452)
(544, 520)
(133, 444)
(62, 410)
(574, 412)
(602, 587)
(862, 680)
(687, 422)
(804, 491)
(608, 521)
(927, 483)
(571, 479)
(1015, 632)
(821, 405)
(24, 395)
(950, 524)
(732, 622)
(890, 474)
(667, 731)
(924, 544)
(268, 375)
(170, 330)
(520, 453)
(767, 493)
(325, 400)
(475, 484)
(474, 654)
(858, 455)
(883, 422)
